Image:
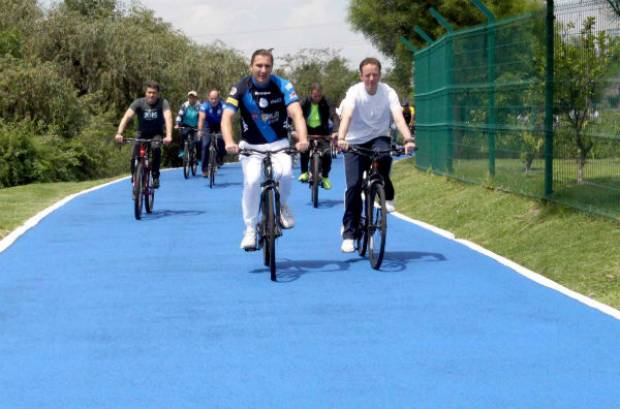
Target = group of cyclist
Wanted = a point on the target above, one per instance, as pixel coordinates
(265, 103)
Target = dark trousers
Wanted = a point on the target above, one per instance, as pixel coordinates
(326, 158)
(354, 166)
(206, 143)
(156, 158)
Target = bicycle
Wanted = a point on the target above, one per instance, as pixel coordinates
(212, 165)
(143, 192)
(315, 180)
(373, 223)
(270, 227)
(190, 163)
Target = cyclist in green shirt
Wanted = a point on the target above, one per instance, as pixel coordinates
(318, 112)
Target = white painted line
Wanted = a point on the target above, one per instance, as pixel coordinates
(34, 220)
(604, 308)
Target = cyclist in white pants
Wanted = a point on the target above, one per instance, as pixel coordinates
(264, 102)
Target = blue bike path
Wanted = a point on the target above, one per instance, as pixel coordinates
(98, 310)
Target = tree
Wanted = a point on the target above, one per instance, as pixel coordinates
(321, 66)
(581, 63)
(384, 21)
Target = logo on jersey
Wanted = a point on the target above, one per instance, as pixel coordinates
(263, 103)
(150, 114)
(289, 86)
(270, 118)
(233, 90)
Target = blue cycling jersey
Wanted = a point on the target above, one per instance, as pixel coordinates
(213, 116)
(263, 108)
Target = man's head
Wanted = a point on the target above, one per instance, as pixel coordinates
(214, 97)
(192, 97)
(151, 92)
(261, 66)
(316, 93)
(370, 74)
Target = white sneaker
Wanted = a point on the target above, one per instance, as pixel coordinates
(248, 243)
(286, 217)
(348, 246)
(389, 206)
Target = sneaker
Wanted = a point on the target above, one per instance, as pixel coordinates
(348, 246)
(181, 153)
(326, 184)
(389, 206)
(286, 217)
(156, 183)
(248, 243)
(304, 177)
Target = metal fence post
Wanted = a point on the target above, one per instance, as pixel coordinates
(549, 80)
(491, 121)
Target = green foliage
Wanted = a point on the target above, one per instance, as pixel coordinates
(321, 66)
(17, 153)
(38, 91)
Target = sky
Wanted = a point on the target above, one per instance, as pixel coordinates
(285, 25)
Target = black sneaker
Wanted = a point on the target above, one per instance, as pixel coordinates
(156, 183)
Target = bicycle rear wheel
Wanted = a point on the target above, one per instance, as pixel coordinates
(149, 192)
(269, 233)
(377, 225)
(316, 180)
(362, 237)
(186, 161)
(137, 191)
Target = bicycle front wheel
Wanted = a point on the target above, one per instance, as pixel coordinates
(149, 192)
(316, 180)
(137, 191)
(212, 167)
(269, 232)
(193, 161)
(186, 163)
(377, 225)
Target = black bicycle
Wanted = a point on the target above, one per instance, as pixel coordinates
(143, 192)
(212, 165)
(190, 160)
(270, 227)
(317, 150)
(373, 223)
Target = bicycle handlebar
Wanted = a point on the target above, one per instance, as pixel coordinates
(250, 151)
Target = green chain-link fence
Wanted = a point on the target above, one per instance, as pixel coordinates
(482, 112)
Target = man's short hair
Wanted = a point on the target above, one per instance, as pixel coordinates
(316, 87)
(264, 53)
(151, 84)
(370, 61)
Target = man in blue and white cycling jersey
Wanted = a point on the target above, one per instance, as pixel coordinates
(209, 125)
(264, 101)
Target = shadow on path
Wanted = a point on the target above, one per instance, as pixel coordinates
(160, 214)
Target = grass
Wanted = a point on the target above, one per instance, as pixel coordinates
(572, 248)
(18, 204)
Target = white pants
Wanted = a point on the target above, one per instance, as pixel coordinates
(253, 175)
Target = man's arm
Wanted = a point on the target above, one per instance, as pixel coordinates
(345, 121)
(123, 125)
(201, 122)
(227, 131)
(401, 125)
(168, 120)
(296, 114)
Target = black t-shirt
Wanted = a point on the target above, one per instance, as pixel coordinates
(150, 117)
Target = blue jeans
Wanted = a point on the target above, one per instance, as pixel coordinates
(206, 143)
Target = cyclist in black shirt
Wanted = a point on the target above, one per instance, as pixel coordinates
(153, 114)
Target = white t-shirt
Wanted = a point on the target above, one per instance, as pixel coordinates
(372, 114)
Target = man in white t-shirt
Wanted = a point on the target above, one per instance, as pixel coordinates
(367, 111)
